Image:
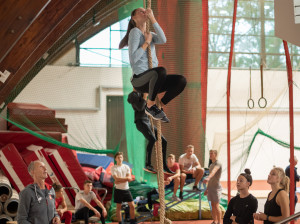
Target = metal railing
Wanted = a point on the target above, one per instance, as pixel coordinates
(290, 218)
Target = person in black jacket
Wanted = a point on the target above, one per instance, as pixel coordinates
(142, 122)
(241, 207)
(296, 176)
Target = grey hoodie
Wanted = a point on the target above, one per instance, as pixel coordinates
(36, 207)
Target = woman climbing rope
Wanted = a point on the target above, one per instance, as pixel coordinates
(145, 80)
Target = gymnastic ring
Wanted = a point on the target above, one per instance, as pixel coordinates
(250, 103)
(259, 102)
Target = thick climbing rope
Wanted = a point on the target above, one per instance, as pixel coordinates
(158, 145)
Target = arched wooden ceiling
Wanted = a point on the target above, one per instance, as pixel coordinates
(35, 32)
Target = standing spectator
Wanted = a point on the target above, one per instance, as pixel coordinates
(277, 205)
(37, 200)
(121, 174)
(241, 207)
(214, 188)
(296, 177)
(83, 208)
(60, 200)
(190, 169)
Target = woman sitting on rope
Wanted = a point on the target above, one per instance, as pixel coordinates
(242, 206)
(145, 80)
(277, 204)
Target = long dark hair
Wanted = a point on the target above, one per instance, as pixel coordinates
(247, 175)
(131, 25)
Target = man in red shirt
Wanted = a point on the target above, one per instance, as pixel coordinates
(170, 180)
(173, 180)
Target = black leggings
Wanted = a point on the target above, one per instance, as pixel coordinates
(156, 80)
(144, 126)
(84, 213)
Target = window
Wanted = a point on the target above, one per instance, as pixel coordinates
(102, 50)
(254, 39)
(254, 36)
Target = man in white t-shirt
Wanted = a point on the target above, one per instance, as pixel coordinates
(190, 169)
(83, 208)
(122, 175)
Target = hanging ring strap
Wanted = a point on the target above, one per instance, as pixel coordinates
(250, 100)
(262, 102)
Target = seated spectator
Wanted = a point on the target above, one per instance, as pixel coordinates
(190, 168)
(173, 180)
(60, 200)
(37, 203)
(241, 207)
(83, 208)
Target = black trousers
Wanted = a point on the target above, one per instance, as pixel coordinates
(84, 213)
(156, 80)
(144, 126)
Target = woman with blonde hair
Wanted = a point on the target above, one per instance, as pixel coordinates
(277, 204)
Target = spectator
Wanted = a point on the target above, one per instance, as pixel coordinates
(83, 208)
(241, 207)
(121, 174)
(277, 205)
(37, 200)
(296, 176)
(173, 180)
(60, 200)
(214, 189)
(190, 168)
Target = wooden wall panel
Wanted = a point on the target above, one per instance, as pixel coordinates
(32, 39)
(59, 22)
(15, 18)
(80, 9)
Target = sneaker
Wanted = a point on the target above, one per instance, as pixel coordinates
(165, 120)
(150, 168)
(155, 112)
(175, 198)
(181, 195)
(195, 188)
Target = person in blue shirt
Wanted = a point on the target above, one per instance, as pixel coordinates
(145, 80)
(296, 176)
